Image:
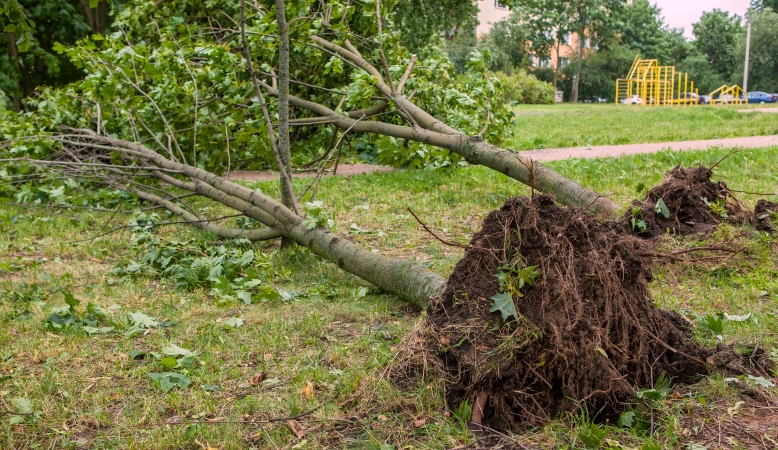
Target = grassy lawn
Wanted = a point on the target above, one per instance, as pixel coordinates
(327, 346)
(571, 125)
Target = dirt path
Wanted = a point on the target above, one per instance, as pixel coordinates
(555, 154)
(549, 154)
(761, 110)
(343, 169)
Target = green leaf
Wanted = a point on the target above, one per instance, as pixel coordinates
(661, 208)
(464, 411)
(170, 380)
(97, 330)
(504, 303)
(626, 419)
(176, 351)
(23, 405)
(234, 322)
(93, 3)
(96, 311)
(169, 362)
(211, 387)
(71, 300)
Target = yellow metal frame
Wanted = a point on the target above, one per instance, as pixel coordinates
(735, 94)
(655, 85)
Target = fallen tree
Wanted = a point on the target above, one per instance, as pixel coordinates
(88, 156)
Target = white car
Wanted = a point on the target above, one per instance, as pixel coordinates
(634, 100)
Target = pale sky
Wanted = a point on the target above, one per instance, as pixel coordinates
(683, 13)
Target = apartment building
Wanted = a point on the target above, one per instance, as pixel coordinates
(492, 11)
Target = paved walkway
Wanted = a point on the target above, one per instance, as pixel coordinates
(555, 154)
(551, 154)
(761, 110)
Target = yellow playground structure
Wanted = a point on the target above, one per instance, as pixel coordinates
(649, 84)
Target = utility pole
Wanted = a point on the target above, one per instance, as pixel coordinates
(748, 50)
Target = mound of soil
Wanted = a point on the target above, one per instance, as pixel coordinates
(587, 329)
(766, 216)
(694, 204)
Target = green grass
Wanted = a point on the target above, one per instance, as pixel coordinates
(92, 394)
(582, 125)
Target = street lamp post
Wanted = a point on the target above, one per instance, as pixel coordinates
(748, 50)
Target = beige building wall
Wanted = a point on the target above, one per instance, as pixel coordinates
(489, 12)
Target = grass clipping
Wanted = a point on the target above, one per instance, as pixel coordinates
(584, 330)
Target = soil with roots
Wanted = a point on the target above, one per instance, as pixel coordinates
(586, 330)
(693, 204)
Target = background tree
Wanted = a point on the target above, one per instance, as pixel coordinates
(546, 31)
(642, 28)
(23, 69)
(715, 36)
(760, 5)
(420, 23)
(763, 62)
(587, 18)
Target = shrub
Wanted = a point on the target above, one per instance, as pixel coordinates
(524, 88)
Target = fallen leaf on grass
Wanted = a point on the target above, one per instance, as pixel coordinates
(419, 423)
(735, 409)
(258, 378)
(296, 428)
(307, 391)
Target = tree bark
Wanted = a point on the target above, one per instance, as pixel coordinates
(432, 131)
(577, 80)
(406, 279)
(284, 146)
(474, 150)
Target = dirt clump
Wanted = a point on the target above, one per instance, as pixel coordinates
(685, 202)
(585, 330)
(766, 216)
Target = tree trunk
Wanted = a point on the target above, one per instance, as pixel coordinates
(284, 146)
(429, 130)
(406, 279)
(96, 17)
(579, 57)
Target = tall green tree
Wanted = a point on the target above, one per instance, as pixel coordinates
(643, 29)
(590, 18)
(763, 60)
(761, 5)
(25, 66)
(716, 36)
(421, 22)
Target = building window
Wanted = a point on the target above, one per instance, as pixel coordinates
(545, 63)
(500, 5)
(564, 62)
(569, 38)
(533, 60)
(587, 42)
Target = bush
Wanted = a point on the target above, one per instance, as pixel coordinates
(523, 88)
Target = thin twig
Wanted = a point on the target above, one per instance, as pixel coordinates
(249, 422)
(449, 243)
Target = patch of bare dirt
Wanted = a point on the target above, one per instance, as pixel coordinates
(751, 423)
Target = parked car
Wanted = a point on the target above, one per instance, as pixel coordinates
(705, 99)
(634, 100)
(761, 97)
(683, 96)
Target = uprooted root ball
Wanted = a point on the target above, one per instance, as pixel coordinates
(586, 329)
(685, 202)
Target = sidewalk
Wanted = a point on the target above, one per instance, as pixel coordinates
(555, 154)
